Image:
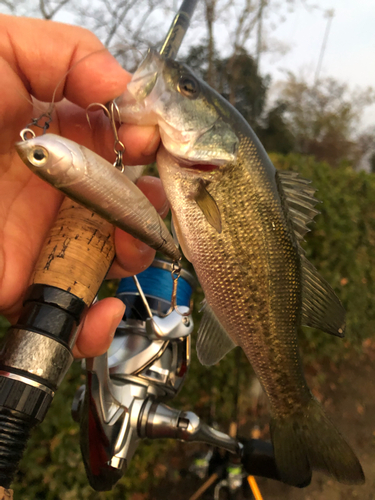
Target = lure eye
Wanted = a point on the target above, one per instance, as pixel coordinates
(188, 86)
(38, 156)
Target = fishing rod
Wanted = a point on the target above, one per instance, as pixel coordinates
(178, 29)
(37, 351)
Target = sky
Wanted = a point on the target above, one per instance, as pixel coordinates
(350, 51)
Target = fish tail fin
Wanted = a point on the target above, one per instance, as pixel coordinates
(308, 441)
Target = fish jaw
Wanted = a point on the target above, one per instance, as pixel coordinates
(50, 158)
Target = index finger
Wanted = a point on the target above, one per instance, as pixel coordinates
(38, 57)
(41, 53)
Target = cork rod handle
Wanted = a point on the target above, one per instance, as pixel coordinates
(78, 252)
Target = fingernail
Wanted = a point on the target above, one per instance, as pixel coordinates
(153, 143)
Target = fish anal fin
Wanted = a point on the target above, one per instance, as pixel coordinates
(208, 206)
(321, 308)
(213, 341)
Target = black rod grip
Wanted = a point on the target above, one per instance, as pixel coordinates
(258, 460)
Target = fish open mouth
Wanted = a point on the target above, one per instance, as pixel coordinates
(181, 146)
(193, 165)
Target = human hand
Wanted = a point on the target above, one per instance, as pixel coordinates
(35, 59)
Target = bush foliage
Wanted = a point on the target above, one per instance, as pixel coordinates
(341, 246)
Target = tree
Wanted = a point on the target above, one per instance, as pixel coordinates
(236, 78)
(274, 133)
(126, 26)
(324, 118)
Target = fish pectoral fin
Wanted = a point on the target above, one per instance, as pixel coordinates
(321, 308)
(209, 207)
(213, 341)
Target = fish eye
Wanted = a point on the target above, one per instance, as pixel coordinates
(38, 156)
(188, 86)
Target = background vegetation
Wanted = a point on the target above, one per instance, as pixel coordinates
(309, 128)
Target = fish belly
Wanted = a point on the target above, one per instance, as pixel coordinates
(250, 274)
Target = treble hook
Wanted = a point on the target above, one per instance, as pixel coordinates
(118, 147)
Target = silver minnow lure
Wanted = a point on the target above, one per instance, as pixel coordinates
(93, 182)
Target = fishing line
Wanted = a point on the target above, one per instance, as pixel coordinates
(63, 78)
(158, 280)
(38, 105)
(120, 49)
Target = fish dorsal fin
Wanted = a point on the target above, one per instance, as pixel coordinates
(321, 308)
(213, 341)
(208, 206)
(299, 197)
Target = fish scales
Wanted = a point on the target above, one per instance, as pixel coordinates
(236, 269)
(239, 221)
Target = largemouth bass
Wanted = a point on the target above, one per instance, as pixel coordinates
(93, 182)
(239, 221)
